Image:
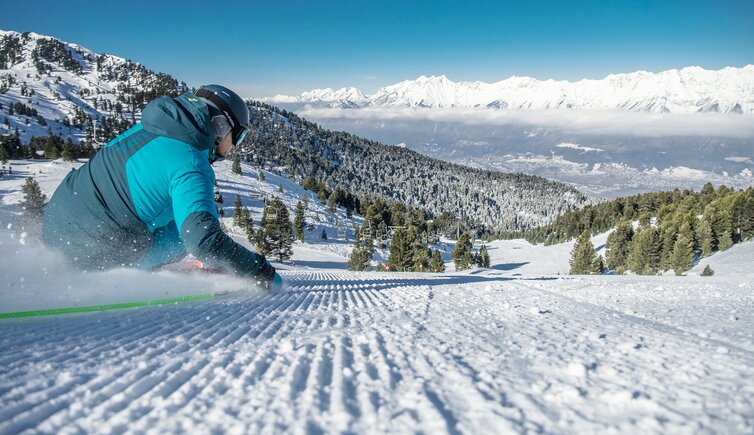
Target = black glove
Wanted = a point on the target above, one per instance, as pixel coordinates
(265, 275)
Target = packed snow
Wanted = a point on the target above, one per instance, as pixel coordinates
(518, 347)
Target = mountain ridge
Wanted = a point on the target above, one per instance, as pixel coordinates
(685, 90)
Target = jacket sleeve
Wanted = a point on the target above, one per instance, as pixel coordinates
(195, 214)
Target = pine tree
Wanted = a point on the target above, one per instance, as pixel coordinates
(278, 231)
(437, 264)
(236, 166)
(668, 234)
(584, 259)
(323, 235)
(68, 150)
(421, 260)
(644, 252)
(243, 218)
(484, 257)
(299, 221)
(51, 148)
(280, 188)
(617, 247)
(723, 231)
(33, 201)
(237, 210)
(331, 201)
(361, 255)
(706, 238)
(261, 175)
(462, 252)
(683, 250)
(708, 271)
(400, 258)
(3, 153)
(32, 205)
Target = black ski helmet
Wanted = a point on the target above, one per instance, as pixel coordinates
(226, 103)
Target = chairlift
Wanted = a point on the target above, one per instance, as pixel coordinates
(270, 210)
(383, 239)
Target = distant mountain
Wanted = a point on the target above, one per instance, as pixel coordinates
(687, 90)
(65, 87)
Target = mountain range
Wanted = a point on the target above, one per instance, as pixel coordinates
(687, 90)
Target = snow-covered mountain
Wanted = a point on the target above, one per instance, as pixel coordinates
(691, 89)
(49, 83)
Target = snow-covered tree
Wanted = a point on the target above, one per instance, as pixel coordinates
(361, 255)
(236, 166)
(33, 200)
(437, 264)
(462, 252)
(644, 252)
(484, 257)
(617, 247)
(277, 238)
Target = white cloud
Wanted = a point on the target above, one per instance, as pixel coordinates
(595, 122)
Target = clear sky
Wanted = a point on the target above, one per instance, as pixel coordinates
(267, 47)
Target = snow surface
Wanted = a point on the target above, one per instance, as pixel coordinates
(513, 348)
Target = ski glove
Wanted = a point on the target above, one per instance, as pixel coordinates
(265, 276)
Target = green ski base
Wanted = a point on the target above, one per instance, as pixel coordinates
(85, 309)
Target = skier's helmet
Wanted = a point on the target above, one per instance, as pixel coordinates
(229, 113)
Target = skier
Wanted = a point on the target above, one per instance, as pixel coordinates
(146, 199)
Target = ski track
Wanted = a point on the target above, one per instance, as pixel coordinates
(378, 352)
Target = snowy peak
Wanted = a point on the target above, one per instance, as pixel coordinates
(49, 83)
(328, 94)
(691, 89)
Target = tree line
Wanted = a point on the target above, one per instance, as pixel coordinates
(671, 229)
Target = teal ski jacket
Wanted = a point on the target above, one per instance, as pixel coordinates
(147, 198)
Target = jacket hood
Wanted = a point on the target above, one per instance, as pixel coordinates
(185, 118)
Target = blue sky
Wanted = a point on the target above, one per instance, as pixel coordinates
(262, 48)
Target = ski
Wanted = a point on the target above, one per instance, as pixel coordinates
(104, 307)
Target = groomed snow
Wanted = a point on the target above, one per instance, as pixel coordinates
(514, 348)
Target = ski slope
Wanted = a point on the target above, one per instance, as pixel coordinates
(377, 352)
(514, 348)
